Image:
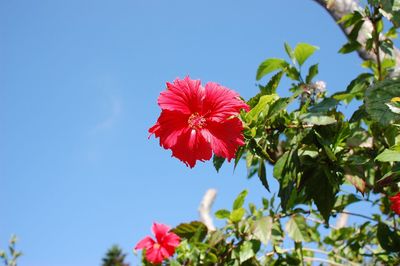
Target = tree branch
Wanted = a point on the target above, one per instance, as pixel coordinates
(337, 9)
(205, 208)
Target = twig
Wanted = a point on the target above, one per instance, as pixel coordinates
(330, 262)
(359, 215)
(269, 254)
(319, 222)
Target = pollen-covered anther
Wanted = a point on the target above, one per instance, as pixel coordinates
(196, 121)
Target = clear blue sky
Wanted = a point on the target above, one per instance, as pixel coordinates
(79, 81)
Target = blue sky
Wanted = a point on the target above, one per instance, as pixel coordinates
(79, 81)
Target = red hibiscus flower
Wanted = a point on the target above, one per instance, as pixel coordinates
(395, 203)
(161, 248)
(196, 121)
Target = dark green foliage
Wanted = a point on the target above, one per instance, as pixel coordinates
(114, 257)
(195, 231)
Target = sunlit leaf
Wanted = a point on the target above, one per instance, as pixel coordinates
(262, 229)
(222, 214)
(389, 155)
(317, 119)
(270, 65)
(302, 51)
(297, 228)
(237, 215)
(248, 250)
(239, 201)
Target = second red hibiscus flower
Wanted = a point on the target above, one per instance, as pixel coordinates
(196, 121)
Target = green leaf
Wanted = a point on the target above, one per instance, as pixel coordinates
(281, 168)
(392, 33)
(257, 149)
(351, 19)
(174, 263)
(324, 106)
(272, 84)
(277, 233)
(248, 250)
(218, 161)
(379, 26)
(345, 200)
(215, 237)
(262, 107)
(195, 230)
(396, 19)
(320, 189)
(211, 258)
(292, 73)
(297, 228)
(350, 47)
(376, 99)
(222, 214)
(388, 239)
(289, 52)
(356, 88)
(389, 155)
(355, 30)
(325, 145)
(388, 63)
(239, 201)
(302, 51)
(269, 66)
(286, 172)
(262, 174)
(262, 229)
(237, 215)
(277, 107)
(312, 72)
(268, 89)
(317, 119)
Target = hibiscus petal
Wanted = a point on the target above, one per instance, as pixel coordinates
(192, 146)
(225, 137)
(160, 230)
(220, 103)
(154, 255)
(146, 243)
(170, 242)
(171, 239)
(165, 253)
(395, 200)
(169, 127)
(184, 95)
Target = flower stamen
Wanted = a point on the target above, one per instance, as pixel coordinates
(196, 121)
